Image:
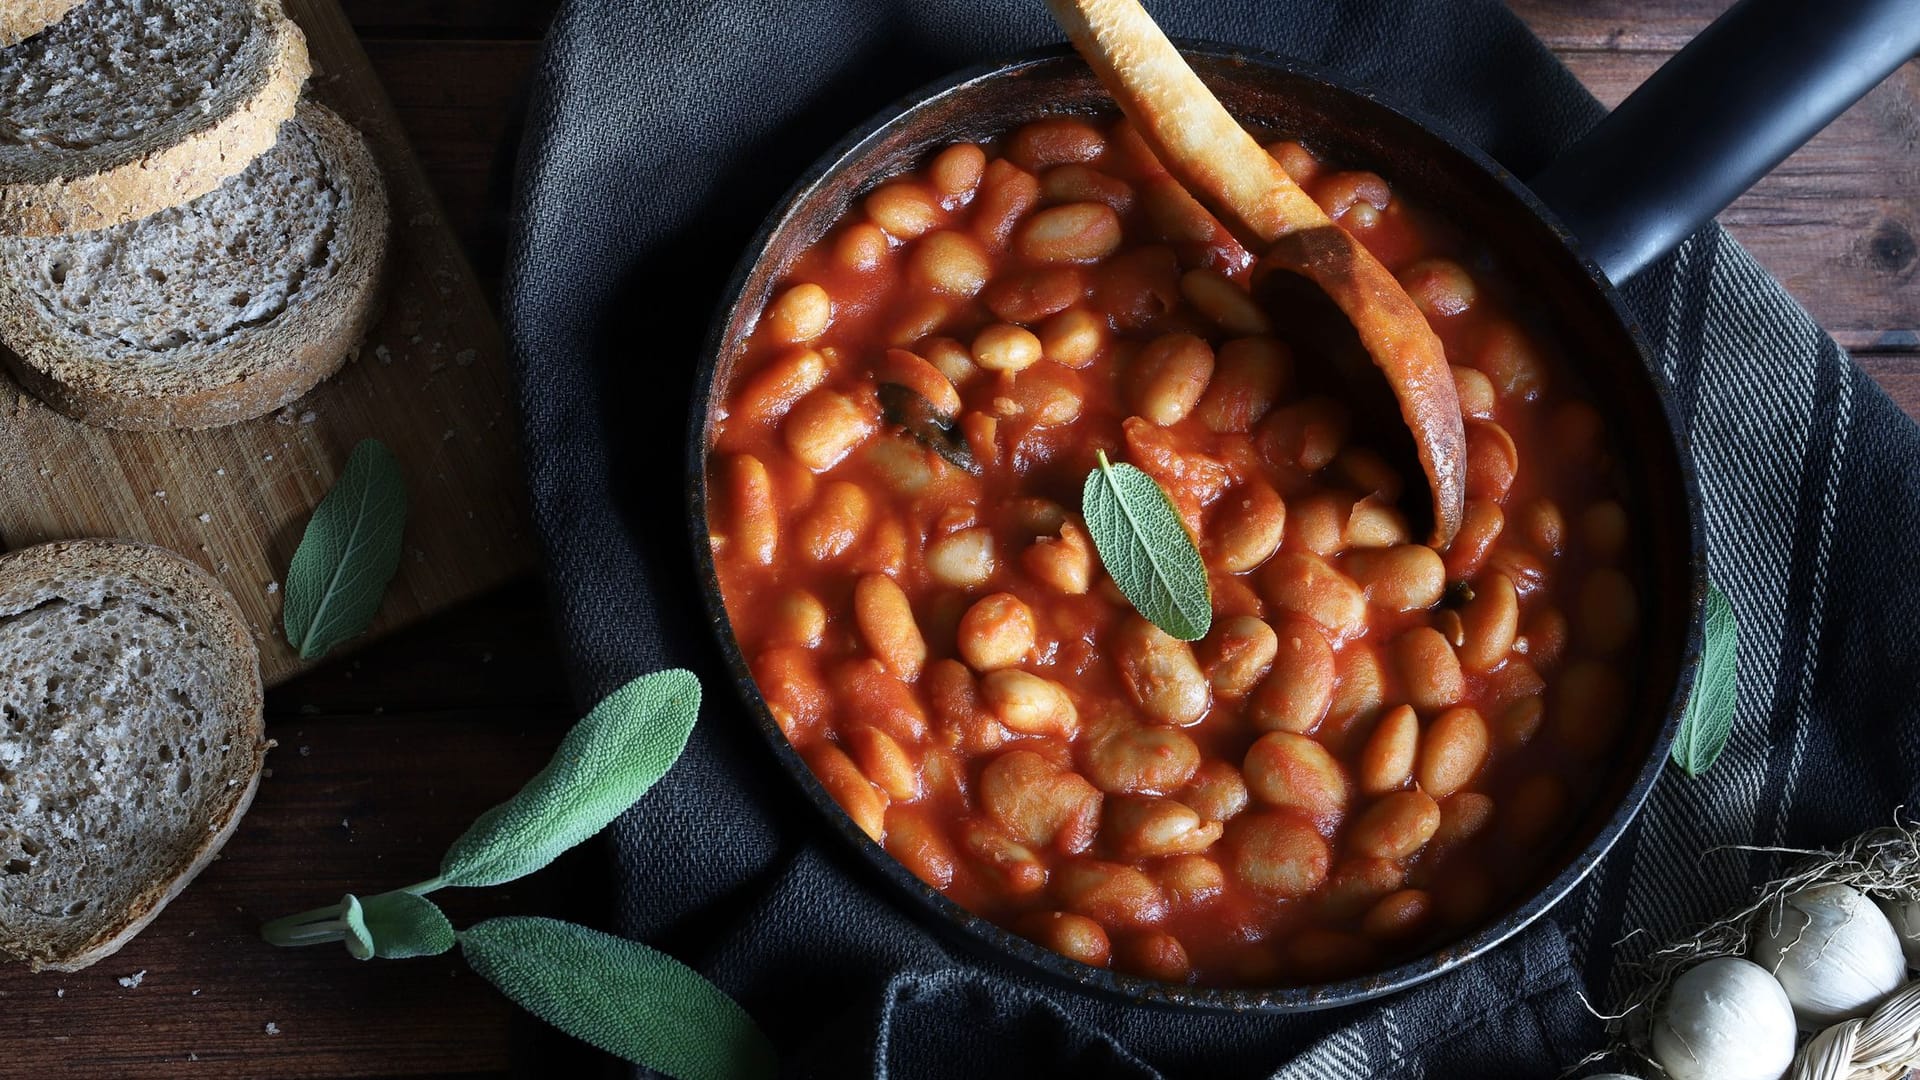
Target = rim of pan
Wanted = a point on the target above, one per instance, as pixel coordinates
(997, 941)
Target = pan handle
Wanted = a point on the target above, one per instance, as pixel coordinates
(1744, 94)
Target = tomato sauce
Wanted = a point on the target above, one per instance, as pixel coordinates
(1184, 812)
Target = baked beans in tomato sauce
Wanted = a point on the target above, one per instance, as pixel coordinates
(1376, 746)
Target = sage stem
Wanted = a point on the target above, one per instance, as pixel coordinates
(311, 933)
(331, 911)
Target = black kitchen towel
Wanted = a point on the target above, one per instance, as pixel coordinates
(661, 132)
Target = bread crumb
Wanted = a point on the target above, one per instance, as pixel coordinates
(193, 1057)
(204, 518)
(60, 993)
(266, 457)
(305, 750)
(219, 472)
(272, 587)
(383, 354)
(196, 993)
(309, 416)
(161, 494)
(273, 1028)
(133, 980)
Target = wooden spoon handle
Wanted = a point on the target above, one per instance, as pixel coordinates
(1187, 128)
(1215, 159)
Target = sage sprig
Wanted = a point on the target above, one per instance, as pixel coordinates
(1707, 722)
(616, 994)
(1147, 550)
(348, 554)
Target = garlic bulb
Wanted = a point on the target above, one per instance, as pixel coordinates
(1725, 1019)
(1833, 951)
(1905, 917)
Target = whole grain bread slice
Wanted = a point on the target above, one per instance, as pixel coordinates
(21, 19)
(131, 741)
(210, 313)
(125, 107)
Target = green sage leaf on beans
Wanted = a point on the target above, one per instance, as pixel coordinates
(348, 554)
(1708, 720)
(603, 766)
(403, 925)
(619, 995)
(1147, 550)
(359, 939)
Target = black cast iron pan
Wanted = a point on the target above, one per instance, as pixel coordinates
(1747, 92)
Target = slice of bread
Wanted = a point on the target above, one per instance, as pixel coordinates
(21, 19)
(125, 107)
(131, 741)
(210, 313)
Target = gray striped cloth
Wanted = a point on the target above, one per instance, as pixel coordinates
(661, 131)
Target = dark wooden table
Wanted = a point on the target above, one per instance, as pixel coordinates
(384, 758)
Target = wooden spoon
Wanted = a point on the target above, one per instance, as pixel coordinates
(1223, 167)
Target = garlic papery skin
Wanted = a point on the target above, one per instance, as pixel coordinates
(1832, 950)
(1905, 917)
(1725, 1019)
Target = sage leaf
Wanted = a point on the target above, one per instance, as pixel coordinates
(1147, 550)
(403, 925)
(348, 553)
(619, 995)
(906, 408)
(1708, 720)
(359, 940)
(603, 766)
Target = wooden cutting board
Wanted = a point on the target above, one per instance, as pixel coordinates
(430, 381)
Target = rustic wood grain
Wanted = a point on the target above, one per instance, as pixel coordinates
(431, 381)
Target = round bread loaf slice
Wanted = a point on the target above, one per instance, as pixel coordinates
(21, 19)
(210, 313)
(131, 741)
(125, 107)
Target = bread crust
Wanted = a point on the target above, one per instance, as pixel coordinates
(176, 174)
(308, 342)
(242, 699)
(21, 19)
